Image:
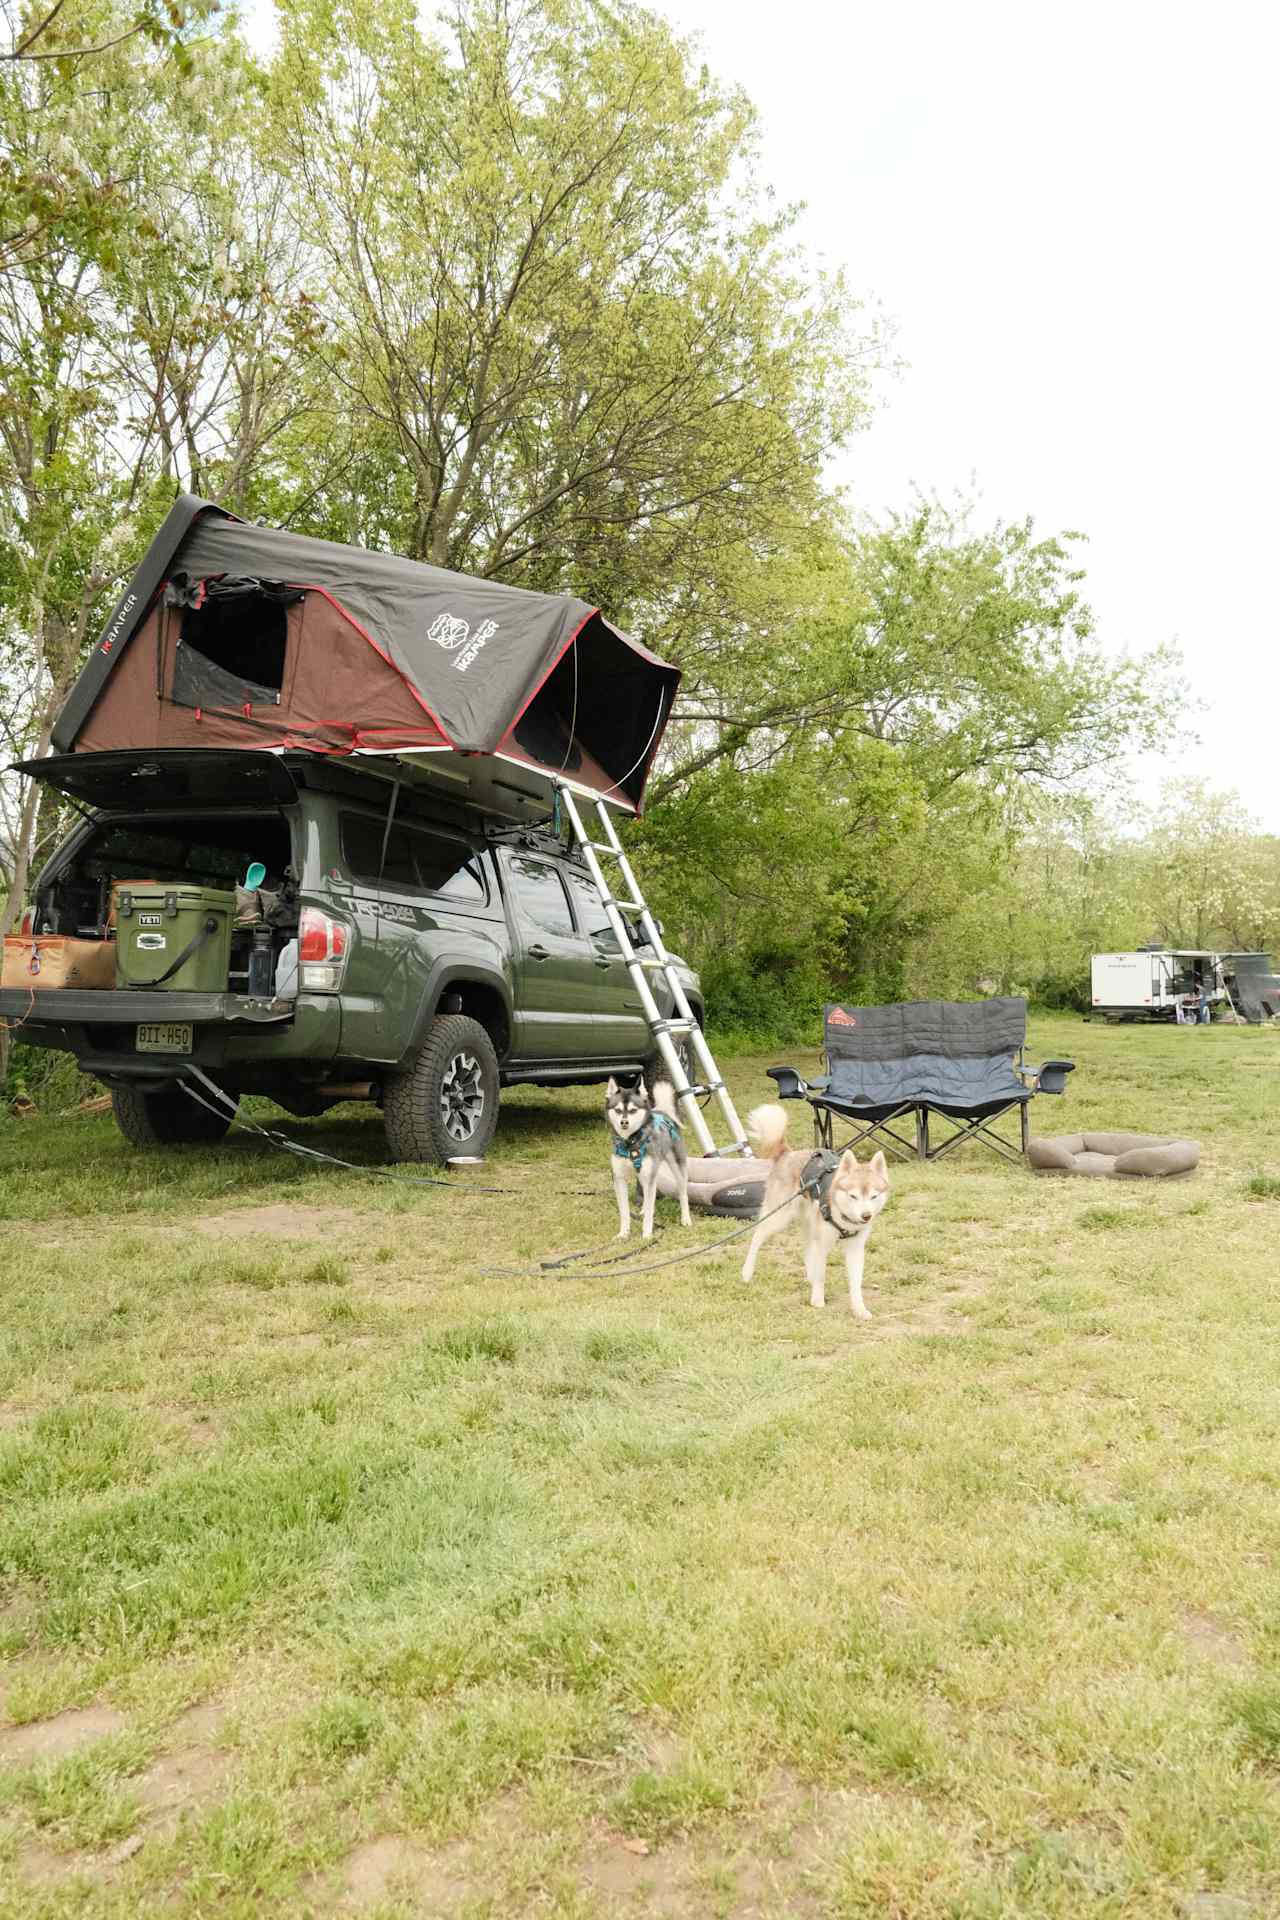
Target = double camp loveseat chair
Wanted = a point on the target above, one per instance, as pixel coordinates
(959, 1061)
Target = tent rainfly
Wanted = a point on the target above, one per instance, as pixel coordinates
(233, 635)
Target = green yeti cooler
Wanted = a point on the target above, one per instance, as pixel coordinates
(176, 938)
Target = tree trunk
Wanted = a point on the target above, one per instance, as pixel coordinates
(24, 846)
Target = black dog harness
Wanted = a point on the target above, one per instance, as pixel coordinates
(818, 1172)
(635, 1147)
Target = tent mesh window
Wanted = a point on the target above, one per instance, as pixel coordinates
(231, 651)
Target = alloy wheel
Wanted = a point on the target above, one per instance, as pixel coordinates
(462, 1097)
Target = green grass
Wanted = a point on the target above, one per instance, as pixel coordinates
(970, 1612)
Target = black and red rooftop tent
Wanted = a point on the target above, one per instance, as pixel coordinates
(234, 635)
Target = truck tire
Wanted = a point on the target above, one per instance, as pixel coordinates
(447, 1101)
(167, 1118)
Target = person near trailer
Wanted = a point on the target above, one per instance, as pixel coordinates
(1204, 1005)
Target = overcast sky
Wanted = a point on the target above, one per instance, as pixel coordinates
(1071, 213)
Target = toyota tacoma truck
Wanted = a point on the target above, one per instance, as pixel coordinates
(420, 955)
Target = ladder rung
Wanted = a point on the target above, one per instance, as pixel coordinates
(673, 1026)
(632, 906)
(602, 846)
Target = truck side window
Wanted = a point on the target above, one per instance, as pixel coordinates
(416, 858)
(592, 917)
(541, 896)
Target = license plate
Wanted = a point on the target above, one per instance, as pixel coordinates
(164, 1036)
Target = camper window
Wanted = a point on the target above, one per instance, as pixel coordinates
(231, 652)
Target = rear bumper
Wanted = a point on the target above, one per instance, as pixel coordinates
(253, 1041)
(63, 1006)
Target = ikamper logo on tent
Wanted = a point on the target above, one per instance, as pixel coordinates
(449, 631)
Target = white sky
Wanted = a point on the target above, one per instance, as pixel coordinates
(1070, 212)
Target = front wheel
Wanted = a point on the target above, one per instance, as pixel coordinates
(166, 1118)
(446, 1104)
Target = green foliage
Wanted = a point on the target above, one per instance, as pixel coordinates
(504, 292)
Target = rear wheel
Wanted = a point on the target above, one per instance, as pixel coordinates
(446, 1105)
(167, 1118)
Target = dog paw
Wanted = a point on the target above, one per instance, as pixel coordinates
(860, 1313)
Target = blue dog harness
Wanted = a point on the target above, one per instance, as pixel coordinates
(635, 1147)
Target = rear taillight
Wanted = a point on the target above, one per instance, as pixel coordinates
(322, 951)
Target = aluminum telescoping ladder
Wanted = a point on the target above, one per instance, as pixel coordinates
(656, 959)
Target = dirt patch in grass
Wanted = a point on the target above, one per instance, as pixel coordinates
(394, 1867)
(53, 1739)
(40, 1866)
(191, 1773)
(281, 1221)
(762, 1865)
(1214, 1640)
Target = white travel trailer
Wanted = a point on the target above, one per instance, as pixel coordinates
(1155, 983)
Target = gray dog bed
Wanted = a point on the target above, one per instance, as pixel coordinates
(1105, 1154)
(731, 1187)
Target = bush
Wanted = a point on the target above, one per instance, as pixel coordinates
(51, 1081)
(763, 1000)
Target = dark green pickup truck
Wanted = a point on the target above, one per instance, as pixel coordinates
(420, 958)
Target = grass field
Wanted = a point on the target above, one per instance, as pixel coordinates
(342, 1572)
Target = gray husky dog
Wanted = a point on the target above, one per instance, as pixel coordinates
(646, 1141)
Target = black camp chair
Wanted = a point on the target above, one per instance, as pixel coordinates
(961, 1060)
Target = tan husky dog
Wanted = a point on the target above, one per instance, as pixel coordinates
(843, 1198)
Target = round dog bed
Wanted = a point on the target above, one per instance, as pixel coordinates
(732, 1187)
(1108, 1154)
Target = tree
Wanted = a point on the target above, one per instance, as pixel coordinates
(147, 329)
(970, 652)
(590, 352)
(916, 696)
(1213, 878)
(70, 35)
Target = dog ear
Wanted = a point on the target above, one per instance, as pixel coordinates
(880, 1165)
(610, 1090)
(848, 1160)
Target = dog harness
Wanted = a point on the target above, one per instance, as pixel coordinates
(818, 1172)
(636, 1146)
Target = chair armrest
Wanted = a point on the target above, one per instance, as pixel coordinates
(791, 1085)
(1052, 1076)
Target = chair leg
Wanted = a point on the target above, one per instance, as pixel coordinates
(922, 1133)
(980, 1129)
(1026, 1124)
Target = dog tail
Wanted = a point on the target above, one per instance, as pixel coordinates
(768, 1125)
(664, 1099)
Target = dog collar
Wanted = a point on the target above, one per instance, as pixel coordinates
(819, 1172)
(636, 1146)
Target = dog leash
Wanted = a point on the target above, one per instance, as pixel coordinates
(226, 1106)
(655, 1266)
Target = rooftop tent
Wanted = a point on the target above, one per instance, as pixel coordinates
(233, 635)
